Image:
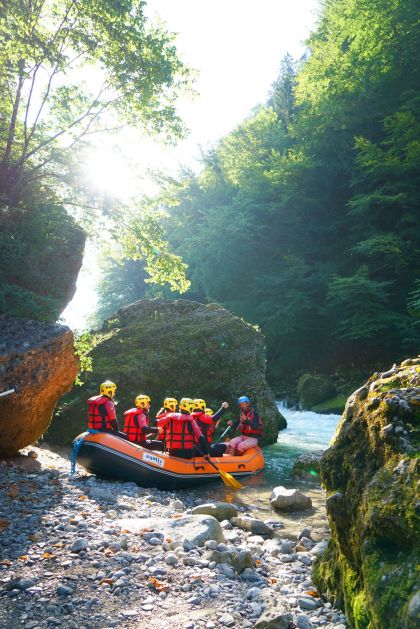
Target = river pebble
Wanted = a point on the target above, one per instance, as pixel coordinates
(66, 562)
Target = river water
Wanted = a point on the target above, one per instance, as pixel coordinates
(305, 432)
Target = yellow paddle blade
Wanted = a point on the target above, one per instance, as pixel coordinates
(229, 481)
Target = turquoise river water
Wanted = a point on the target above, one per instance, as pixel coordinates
(305, 432)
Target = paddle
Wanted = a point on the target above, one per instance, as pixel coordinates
(223, 434)
(227, 478)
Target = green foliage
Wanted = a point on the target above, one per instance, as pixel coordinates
(48, 113)
(40, 257)
(308, 210)
(364, 302)
(83, 344)
(47, 109)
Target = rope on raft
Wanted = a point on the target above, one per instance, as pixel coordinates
(76, 447)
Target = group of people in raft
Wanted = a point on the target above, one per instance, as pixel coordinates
(184, 434)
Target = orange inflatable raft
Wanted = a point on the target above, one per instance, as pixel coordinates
(109, 456)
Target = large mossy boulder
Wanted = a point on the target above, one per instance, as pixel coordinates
(371, 473)
(37, 362)
(174, 348)
(313, 390)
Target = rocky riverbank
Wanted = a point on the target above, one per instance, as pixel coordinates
(95, 554)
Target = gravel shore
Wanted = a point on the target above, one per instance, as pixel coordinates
(85, 553)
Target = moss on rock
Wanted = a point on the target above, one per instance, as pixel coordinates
(371, 473)
(314, 390)
(174, 348)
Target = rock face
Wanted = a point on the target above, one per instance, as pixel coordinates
(371, 473)
(37, 358)
(174, 348)
(314, 389)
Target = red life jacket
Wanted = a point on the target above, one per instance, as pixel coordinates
(179, 432)
(132, 430)
(161, 431)
(205, 423)
(250, 431)
(99, 418)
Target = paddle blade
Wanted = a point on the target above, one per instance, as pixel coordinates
(229, 481)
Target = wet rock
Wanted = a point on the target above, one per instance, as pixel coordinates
(306, 466)
(219, 510)
(289, 499)
(257, 527)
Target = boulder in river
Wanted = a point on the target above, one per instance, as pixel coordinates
(306, 466)
(371, 473)
(289, 499)
(37, 358)
(174, 348)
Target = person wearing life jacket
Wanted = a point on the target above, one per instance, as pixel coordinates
(208, 423)
(250, 426)
(169, 406)
(183, 435)
(101, 410)
(136, 424)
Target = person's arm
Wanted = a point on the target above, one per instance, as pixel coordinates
(110, 409)
(218, 414)
(200, 439)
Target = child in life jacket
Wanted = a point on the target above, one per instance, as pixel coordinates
(208, 423)
(250, 426)
(101, 410)
(184, 438)
(136, 424)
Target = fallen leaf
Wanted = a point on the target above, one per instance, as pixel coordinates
(13, 491)
(47, 555)
(159, 586)
(23, 558)
(82, 498)
(108, 581)
(273, 580)
(312, 593)
(5, 562)
(169, 540)
(4, 523)
(257, 562)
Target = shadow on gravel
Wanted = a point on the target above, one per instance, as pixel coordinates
(28, 493)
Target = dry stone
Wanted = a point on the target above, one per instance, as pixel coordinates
(38, 360)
